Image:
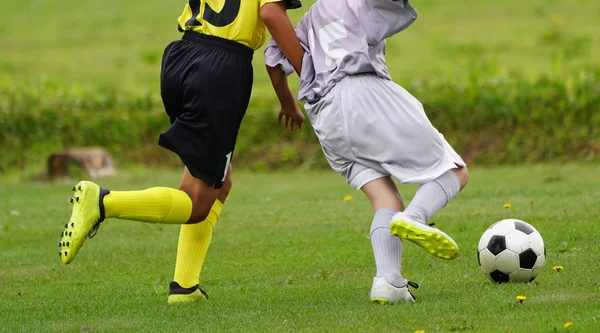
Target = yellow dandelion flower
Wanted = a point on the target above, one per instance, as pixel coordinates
(507, 205)
(521, 298)
(568, 324)
(558, 268)
(348, 198)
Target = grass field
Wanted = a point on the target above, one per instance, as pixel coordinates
(290, 255)
(118, 44)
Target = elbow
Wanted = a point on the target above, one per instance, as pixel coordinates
(275, 74)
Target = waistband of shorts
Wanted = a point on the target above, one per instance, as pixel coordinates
(219, 42)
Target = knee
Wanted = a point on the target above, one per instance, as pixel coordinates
(225, 189)
(463, 176)
(200, 206)
(200, 211)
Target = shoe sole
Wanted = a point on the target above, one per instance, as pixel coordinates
(185, 298)
(381, 301)
(435, 243)
(85, 214)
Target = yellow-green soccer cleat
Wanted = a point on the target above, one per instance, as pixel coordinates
(88, 212)
(180, 295)
(433, 240)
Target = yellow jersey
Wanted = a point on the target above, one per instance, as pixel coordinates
(236, 20)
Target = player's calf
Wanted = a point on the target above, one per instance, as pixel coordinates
(201, 194)
(463, 176)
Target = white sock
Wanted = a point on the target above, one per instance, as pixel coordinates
(387, 248)
(433, 196)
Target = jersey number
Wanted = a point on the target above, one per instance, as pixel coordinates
(226, 16)
(327, 35)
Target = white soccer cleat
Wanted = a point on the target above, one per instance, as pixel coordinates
(382, 292)
(433, 240)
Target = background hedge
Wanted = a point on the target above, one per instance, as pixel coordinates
(489, 120)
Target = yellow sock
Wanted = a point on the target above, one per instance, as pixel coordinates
(194, 240)
(154, 205)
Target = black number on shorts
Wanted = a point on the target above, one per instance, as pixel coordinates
(225, 17)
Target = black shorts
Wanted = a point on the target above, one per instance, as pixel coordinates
(205, 85)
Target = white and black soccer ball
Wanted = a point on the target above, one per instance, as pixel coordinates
(511, 251)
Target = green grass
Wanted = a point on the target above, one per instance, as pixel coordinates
(290, 255)
(119, 43)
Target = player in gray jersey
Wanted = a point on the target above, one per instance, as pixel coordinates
(371, 129)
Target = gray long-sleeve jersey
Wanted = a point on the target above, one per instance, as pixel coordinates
(340, 38)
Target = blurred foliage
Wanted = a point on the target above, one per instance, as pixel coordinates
(506, 82)
(489, 119)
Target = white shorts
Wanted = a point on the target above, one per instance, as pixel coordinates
(371, 128)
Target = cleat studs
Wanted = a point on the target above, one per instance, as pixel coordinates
(61, 234)
(66, 226)
(72, 224)
(77, 199)
(71, 200)
(65, 253)
(79, 187)
(59, 244)
(74, 188)
(70, 233)
(68, 243)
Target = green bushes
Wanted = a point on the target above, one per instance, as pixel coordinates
(510, 119)
(504, 119)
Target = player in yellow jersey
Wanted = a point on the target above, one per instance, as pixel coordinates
(206, 81)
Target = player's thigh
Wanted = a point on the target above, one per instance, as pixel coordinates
(377, 185)
(221, 84)
(383, 193)
(219, 91)
(384, 123)
(215, 93)
(227, 185)
(175, 60)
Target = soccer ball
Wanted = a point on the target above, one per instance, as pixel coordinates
(511, 250)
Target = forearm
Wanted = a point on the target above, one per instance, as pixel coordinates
(280, 85)
(280, 27)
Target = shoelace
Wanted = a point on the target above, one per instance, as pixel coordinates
(203, 292)
(414, 285)
(96, 226)
(94, 230)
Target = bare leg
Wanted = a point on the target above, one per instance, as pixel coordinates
(202, 195)
(192, 249)
(382, 193)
